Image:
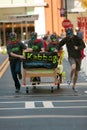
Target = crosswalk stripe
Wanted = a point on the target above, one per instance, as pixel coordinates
(47, 104)
(29, 105)
(43, 104)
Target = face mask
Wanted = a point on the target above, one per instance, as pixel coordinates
(13, 39)
(33, 38)
(69, 33)
(53, 39)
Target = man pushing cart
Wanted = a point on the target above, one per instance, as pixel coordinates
(40, 63)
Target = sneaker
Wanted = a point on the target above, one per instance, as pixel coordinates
(20, 76)
(73, 88)
(68, 82)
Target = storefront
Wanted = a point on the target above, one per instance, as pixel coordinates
(22, 18)
(21, 24)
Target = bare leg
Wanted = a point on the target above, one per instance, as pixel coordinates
(72, 73)
(75, 78)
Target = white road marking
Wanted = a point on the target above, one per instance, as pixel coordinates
(42, 116)
(29, 105)
(85, 91)
(47, 104)
(45, 101)
(32, 107)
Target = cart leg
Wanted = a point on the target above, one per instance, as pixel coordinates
(27, 90)
(24, 77)
(58, 86)
(58, 78)
(52, 90)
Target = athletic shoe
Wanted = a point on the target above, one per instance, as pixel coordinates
(73, 88)
(68, 82)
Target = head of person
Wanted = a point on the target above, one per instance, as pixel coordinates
(53, 38)
(69, 32)
(13, 36)
(45, 37)
(33, 36)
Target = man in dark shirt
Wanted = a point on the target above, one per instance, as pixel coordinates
(74, 46)
(53, 44)
(14, 50)
(35, 45)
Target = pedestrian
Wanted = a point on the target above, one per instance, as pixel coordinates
(53, 44)
(14, 50)
(53, 47)
(74, 46)
(35, 45)
(79, 33)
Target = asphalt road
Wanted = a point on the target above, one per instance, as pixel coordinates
(40, 109)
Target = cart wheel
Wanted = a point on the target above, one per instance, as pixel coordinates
(27, 90)
(51, 89)
(58, 86)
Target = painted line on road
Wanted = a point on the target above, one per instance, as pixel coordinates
(48, 104)
(29, 105)
(45, 105)
(44, 101)
(4, 66)
(42, 116)
(62, 84)
(54, 107)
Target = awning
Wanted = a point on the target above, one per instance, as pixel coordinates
(21, 18)
(18, 5)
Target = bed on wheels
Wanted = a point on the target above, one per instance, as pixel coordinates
(40, 65)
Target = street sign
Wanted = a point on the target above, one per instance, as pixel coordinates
(62, 12)
(66, 23)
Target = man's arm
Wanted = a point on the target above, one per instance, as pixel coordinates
(61, 43)
(17, 56)
(81, 45)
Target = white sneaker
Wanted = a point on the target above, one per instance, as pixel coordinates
(73, 88)
(68, 82)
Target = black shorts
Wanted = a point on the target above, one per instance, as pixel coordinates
(76, 61)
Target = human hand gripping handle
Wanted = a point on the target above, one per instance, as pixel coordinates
(22, 57)
(76, 47)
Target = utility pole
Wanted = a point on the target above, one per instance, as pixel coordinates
(66, 9)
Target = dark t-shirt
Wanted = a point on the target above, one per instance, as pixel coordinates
(16, 48)
(52, 47)
(36, 46)
(70, 43)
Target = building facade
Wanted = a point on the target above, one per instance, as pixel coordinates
(34, 15)
(22, 17)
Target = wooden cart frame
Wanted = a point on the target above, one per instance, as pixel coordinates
(41, 72)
